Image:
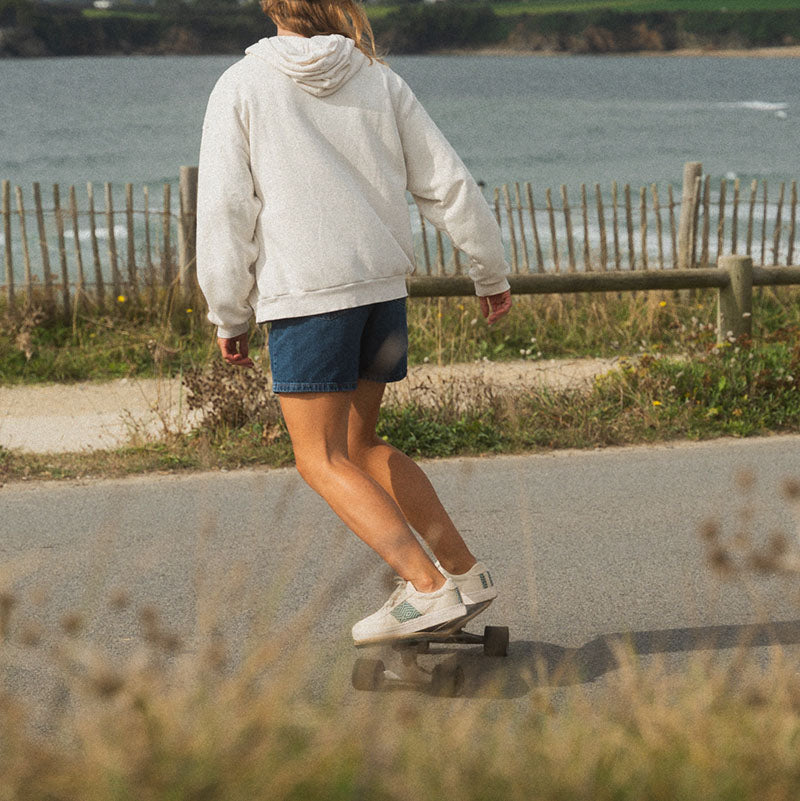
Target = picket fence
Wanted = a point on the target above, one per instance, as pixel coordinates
(103, 250)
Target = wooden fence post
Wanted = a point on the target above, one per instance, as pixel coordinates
(187, 231)
(692, 170)
(49, 298)
(9, 263)
(735, 306)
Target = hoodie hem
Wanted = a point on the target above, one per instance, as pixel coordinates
(331, 299)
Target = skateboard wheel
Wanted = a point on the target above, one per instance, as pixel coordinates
(447, 680)
(495, 640)
(367, 674)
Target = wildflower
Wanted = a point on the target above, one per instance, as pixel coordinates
(461, 306)
(189, 311)
(663, 303)
(473, 321)
(121, 298)
(426, 360)
(656, 403)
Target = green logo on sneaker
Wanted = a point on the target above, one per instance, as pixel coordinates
(405, 611)
(484, 582)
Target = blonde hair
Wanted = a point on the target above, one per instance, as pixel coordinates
(320, 17)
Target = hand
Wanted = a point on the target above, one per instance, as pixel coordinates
(235, 350)
(493, 307)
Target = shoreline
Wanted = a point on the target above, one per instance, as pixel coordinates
(783, 51)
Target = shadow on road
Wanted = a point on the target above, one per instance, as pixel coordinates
(532, 663)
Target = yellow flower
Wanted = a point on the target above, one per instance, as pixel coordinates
(121, 298)
(663, 303)
(189, 311)
(656, 403)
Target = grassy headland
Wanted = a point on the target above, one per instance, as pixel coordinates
(583, 26)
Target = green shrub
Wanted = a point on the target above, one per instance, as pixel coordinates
(419, 28)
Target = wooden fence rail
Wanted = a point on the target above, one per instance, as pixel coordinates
(66, 254)
(734, 279)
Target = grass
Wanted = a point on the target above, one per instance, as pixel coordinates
(128, 13)
(131, 340)
(178, 717)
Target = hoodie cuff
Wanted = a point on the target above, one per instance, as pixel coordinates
(234, 331)
(484, 289)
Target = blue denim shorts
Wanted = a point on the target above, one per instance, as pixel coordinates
(329, 352)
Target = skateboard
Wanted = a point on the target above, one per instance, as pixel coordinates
(446, 678)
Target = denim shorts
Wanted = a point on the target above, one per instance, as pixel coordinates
(330, 352)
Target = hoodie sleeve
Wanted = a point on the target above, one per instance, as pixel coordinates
(448, 196)
(227, 208)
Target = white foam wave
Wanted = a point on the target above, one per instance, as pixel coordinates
(85, 235)
(756, 105)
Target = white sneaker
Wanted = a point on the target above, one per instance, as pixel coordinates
(408, 611)
(475, 586)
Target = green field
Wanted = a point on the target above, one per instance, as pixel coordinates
(112, 13)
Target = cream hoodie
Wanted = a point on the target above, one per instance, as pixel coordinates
(307, 152)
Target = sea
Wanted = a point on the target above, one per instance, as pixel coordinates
(547, 120)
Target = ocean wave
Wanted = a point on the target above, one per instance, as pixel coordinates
(85, 234)
(755, 105)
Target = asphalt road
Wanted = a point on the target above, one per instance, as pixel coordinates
(587, 547)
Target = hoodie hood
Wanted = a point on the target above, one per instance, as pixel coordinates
(320, 65)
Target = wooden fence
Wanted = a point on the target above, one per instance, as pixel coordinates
(67, 252)
(158, 249)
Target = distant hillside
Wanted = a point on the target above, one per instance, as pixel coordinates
(422, 28)
(222, 26)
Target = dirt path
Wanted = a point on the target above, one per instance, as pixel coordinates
(75, 417)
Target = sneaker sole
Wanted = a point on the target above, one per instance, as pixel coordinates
(473, 610)
(482, 596)
(437, 632)
(434, 621)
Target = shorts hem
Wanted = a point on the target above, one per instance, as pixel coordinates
(287, 387)
(385, 379)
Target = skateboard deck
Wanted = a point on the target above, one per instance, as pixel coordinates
(445, 678)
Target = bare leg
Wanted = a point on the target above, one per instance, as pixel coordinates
(317, 423)
(404, 480)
